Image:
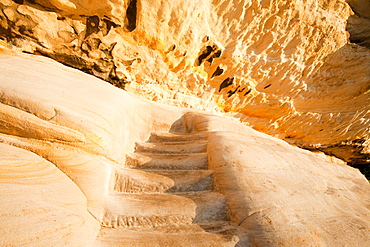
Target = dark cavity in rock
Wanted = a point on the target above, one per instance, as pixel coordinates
(227, 82)
(109, 24)
(131, 15)
(205, 54)
(231, 93)
(246, 93)
(92, 25)
(217, 72)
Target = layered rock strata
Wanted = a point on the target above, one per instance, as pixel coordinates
(286, 68)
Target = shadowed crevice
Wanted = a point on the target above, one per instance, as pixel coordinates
(131, 15)
(358, 25)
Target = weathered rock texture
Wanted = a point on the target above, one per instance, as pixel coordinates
(283, 67)
(66, 180)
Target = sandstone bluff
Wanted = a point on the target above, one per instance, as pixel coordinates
(84, 163)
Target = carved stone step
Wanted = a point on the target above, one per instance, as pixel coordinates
(129, 210)
(168, 137)
(164, 198)
(174, 147)
(192, 161)
(227, 229)
(211, 206)
(148, 210)
(221, 227)
(188, 180)
(161, 181)
(182, 236)
(140, 181)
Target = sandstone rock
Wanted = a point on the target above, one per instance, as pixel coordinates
(360, 7)
(283, 67)
(64, 140)
(39, 204)
(358, 28)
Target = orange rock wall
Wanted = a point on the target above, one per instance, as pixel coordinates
(286, 68)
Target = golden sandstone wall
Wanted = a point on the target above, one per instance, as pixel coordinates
(64, 137)
(298, 70)
(284, 67)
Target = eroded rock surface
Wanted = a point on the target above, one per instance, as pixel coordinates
(286, 68)
(66, 178)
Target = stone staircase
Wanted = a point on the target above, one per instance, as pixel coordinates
(165, 197)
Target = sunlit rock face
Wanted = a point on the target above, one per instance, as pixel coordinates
(286, 68)
(72, 175)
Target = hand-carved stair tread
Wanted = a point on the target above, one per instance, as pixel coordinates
(126, 210)
(174, 147)
(169, 137)
(192, 161)
(225, 228)
(140, 181)
(148, 204)
(215, 226)
(183, 236)
(161, 181)
(188, 180)
(211, 206)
